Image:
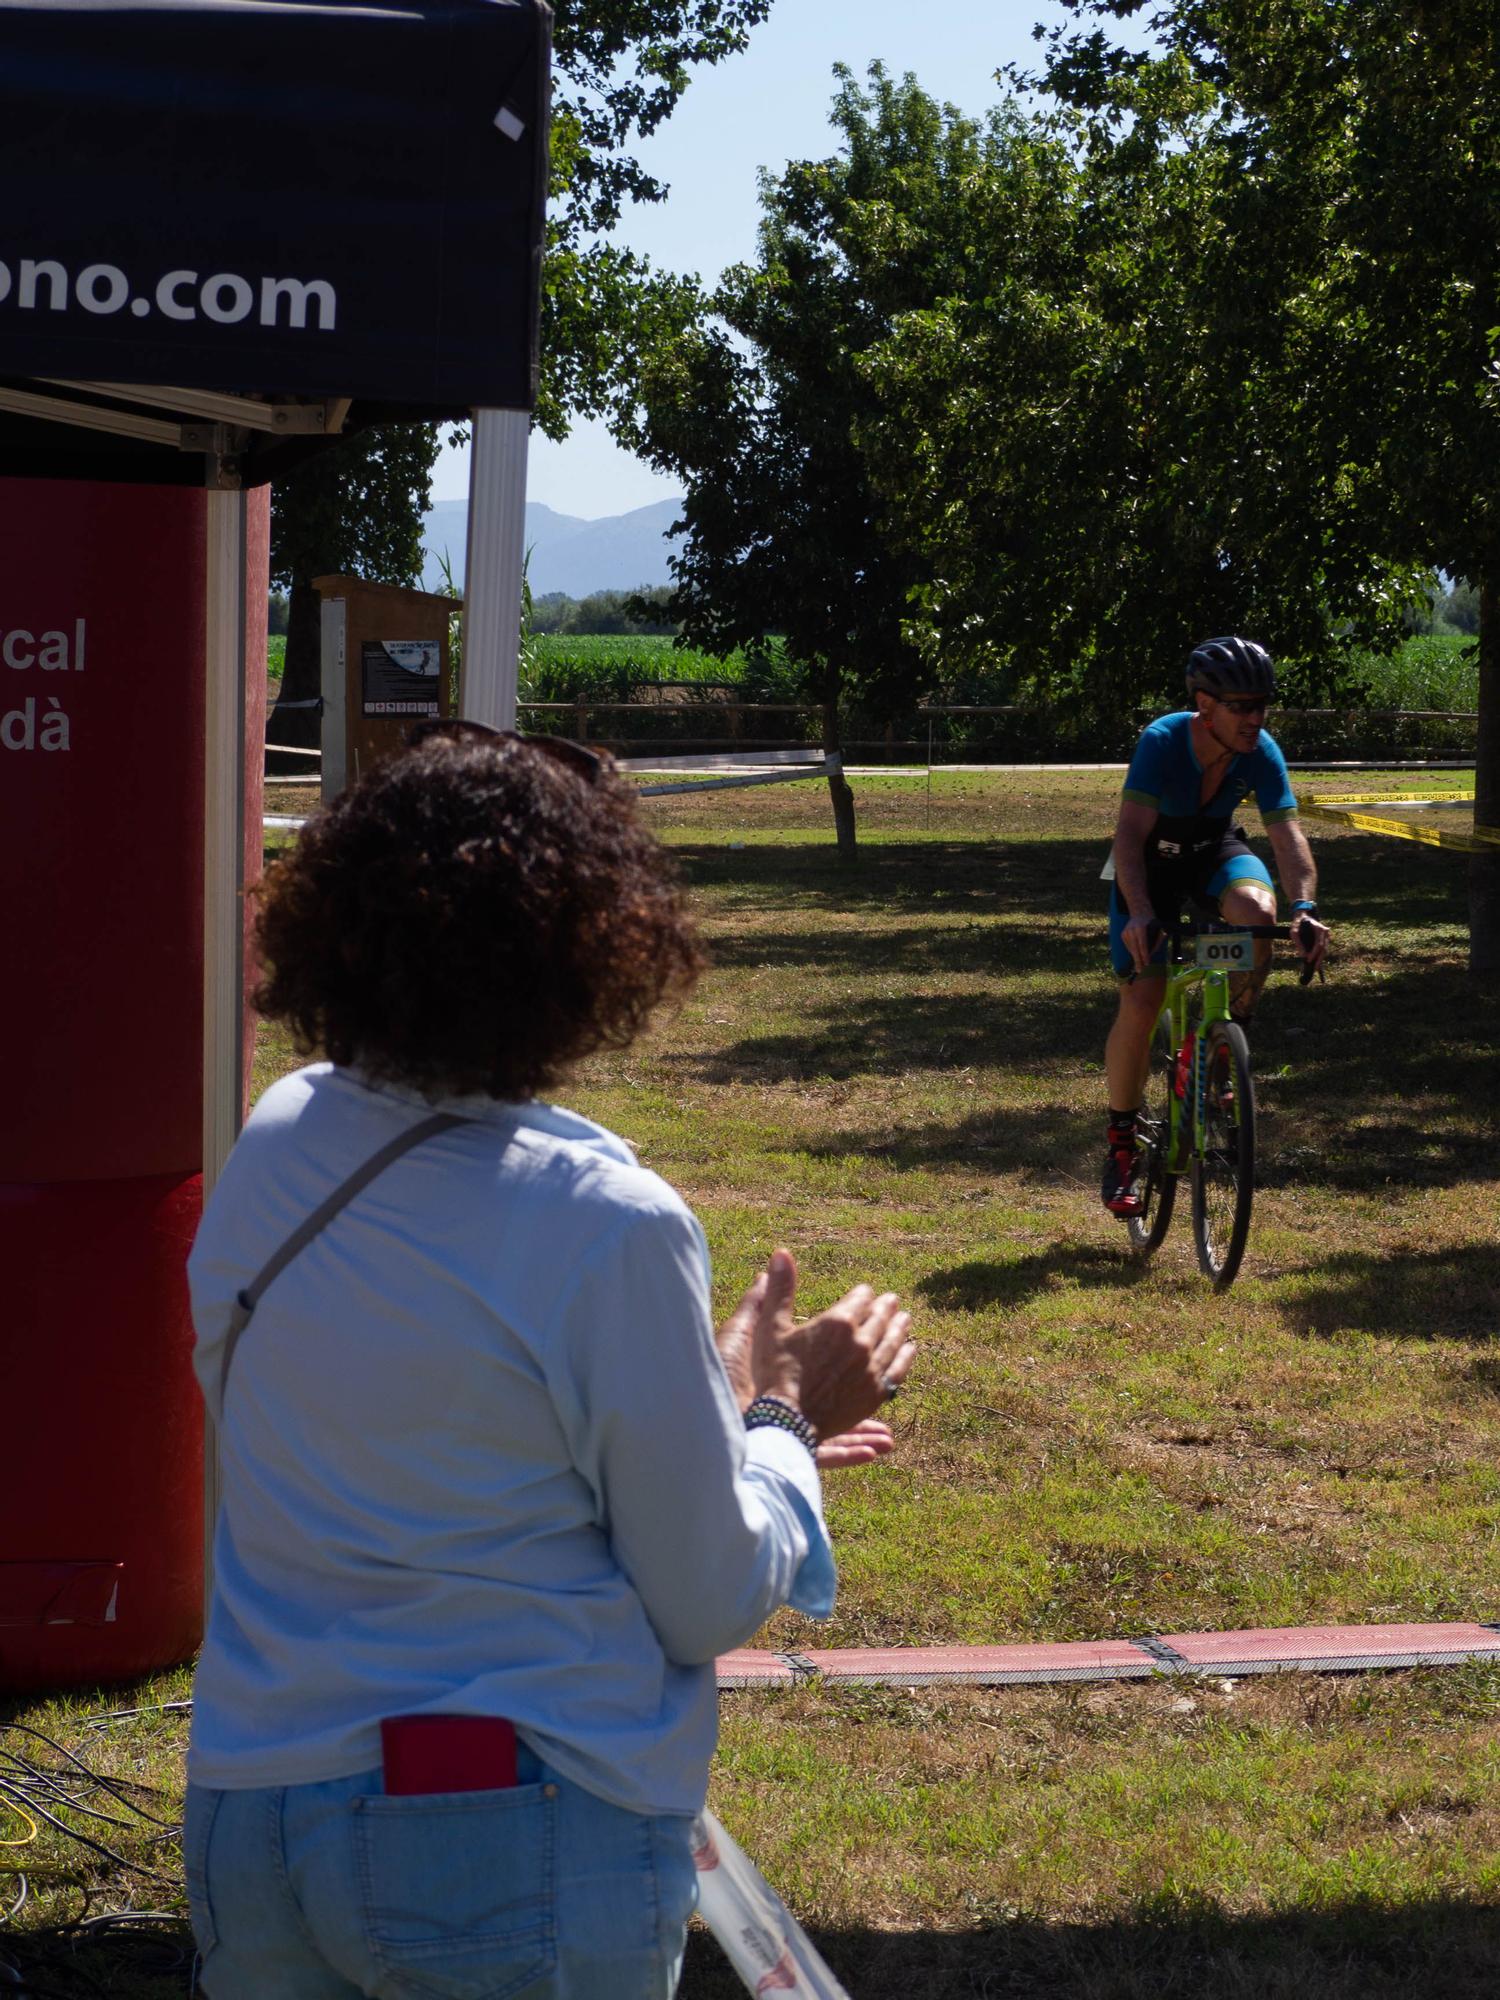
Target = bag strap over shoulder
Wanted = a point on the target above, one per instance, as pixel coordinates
(322, 1215)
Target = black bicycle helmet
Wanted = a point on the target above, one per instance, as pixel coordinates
(1231, 667)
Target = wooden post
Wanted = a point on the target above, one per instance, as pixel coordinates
(838, 786)
(1484, 869)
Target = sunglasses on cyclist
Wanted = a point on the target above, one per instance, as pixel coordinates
(1250, 705)
(575, 757)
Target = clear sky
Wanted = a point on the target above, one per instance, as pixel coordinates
(763, 108)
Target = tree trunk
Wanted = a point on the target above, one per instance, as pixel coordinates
(1484, 869)
(302, 680)
(838, 785)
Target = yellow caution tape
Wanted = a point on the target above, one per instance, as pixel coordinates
(1479, 841)
(1388, 798)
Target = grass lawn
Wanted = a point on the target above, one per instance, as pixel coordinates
(896, 1071)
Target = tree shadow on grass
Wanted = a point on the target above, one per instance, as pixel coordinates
(138, 1960)
(1179, 1948)
(1010, 944)
(1394, 1153)
(841, 1036)
(997, 875)
(890, 1037)
(1370, 1084)
(1483, 1374)
(1420, 1294)
(1367, 1081)
(985, 1282)
(1046, 1138)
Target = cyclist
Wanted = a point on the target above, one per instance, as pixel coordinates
(1175, 844)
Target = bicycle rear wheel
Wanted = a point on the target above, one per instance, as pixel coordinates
(1158, 1188)
(1224, 1172)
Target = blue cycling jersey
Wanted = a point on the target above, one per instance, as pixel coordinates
(1165, 773)
(1194, 852)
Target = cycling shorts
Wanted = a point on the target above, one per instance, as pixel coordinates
(1196, 879)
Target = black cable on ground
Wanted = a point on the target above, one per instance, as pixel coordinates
(51, 1962)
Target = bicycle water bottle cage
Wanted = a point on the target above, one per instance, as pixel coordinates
(1182, 1069)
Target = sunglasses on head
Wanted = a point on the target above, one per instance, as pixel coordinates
(1248, 705)
(575, 757)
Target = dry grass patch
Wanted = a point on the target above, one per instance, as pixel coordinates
(1208, 1837)
(896, 1071)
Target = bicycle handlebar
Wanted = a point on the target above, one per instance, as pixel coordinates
(1192, 927)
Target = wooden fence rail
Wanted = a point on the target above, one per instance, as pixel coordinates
(951, 731)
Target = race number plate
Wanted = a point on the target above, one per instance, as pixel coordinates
(1234, 952)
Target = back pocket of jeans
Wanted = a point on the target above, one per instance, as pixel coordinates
(459, 1890)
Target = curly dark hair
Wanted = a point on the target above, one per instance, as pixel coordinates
(473, 916)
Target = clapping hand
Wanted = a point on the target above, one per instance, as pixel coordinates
(837, 1368)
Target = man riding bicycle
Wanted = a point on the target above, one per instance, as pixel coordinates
(1175, 845)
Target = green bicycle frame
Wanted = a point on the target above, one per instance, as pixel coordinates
(1185, 1136)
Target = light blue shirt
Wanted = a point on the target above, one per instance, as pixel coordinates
(478, 1452)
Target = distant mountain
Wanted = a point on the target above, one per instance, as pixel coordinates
(620, 552)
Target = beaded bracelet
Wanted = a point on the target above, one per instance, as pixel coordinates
(775, 1413)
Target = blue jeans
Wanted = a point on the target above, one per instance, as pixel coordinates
(334, 1891)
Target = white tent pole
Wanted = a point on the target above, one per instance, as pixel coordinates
(223, 877)
(333, 628)
(493, 567)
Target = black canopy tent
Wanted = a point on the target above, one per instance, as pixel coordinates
(305, 217)
(235, 230)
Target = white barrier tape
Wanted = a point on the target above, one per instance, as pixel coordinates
(667, 766)
(731, 784)
(761, 1938)
(829, 765)
(659, 791)
(290, 750)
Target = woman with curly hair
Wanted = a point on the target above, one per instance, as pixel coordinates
(494, 1493)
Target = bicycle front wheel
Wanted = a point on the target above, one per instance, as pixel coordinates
(1224, 1170)
(1158, 1188)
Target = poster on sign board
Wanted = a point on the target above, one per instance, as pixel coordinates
(400, 676)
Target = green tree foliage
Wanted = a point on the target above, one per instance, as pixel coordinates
(1357, 143)
(620, 67)
(757, 406)
(976, 413)
(1077, 440)
(605, 611)
(1449, 608)
(1459, 609)
(353, 513)
(355, 510)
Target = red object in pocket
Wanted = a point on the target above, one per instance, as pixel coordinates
(447, 1753)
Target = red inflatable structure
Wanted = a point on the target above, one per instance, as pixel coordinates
(102, 608)
(209, 279)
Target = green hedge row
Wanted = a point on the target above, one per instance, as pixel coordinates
(1429, 672)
